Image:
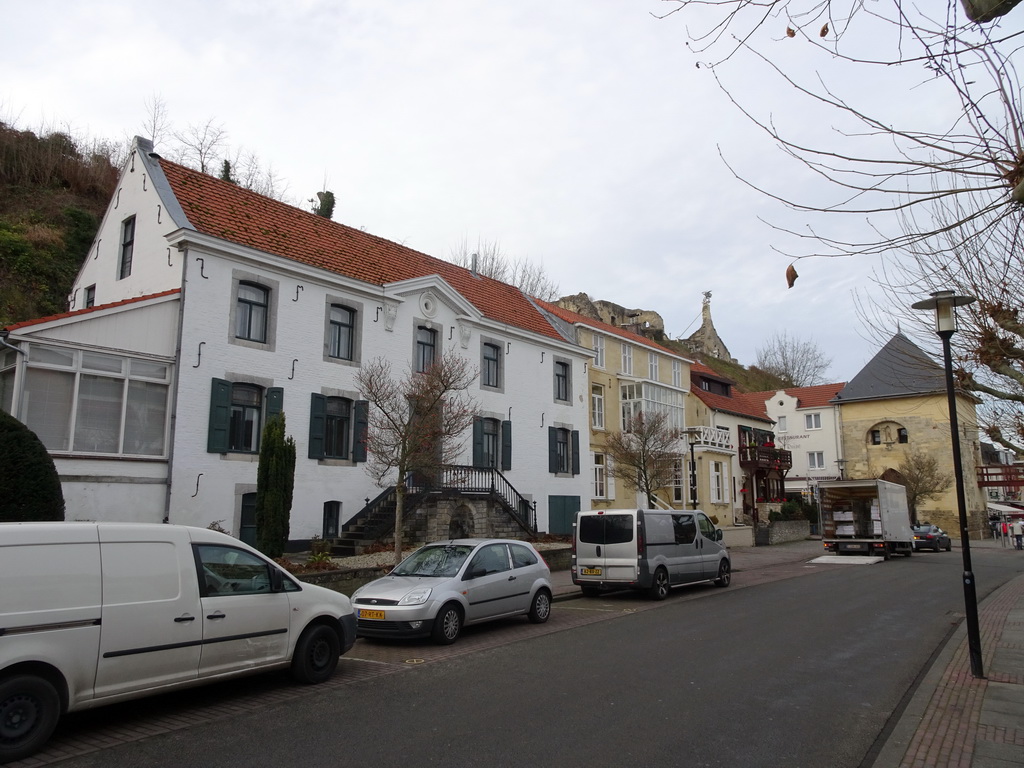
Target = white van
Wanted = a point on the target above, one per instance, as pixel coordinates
(94, 613)
(649, 549)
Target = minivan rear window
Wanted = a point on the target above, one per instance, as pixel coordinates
(606, 529)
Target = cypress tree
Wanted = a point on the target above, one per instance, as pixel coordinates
(29, 485)
(275, 481)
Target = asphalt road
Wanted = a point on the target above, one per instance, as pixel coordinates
(796, 672)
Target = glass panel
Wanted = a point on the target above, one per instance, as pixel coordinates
(95, 362)
(232, 571)
(7, 391)
(51, 355)
(146, 418)
(147, 370)
(47, 406)
(252, 293)
(98, 420)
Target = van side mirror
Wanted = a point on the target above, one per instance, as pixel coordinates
(719, 535)
(276, 580)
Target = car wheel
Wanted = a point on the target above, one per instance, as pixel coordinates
(724, 574)
(949, 545)
(29, 709)
(659, 587)
(316, 654)
(540, 608)
(447, 624)
(590, 591)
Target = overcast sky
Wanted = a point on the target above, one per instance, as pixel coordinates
(577, 133)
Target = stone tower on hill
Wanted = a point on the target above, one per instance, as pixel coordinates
(706, 342)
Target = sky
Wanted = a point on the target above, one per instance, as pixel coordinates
(579, 134)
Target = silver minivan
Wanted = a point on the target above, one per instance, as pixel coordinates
(647, 549)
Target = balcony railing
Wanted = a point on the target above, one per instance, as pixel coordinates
(711, 437)
(763, 457)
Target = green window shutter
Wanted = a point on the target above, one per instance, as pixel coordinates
(361, 422)
(506, 446)
(575, 448)
(220, 417)
(478, 441)
(552, 449)
(275, 401)
(317, 422)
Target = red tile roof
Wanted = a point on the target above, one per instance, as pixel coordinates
(740, 403)
(574, 317)
(82, 312)
(224, 210)
(816, 396)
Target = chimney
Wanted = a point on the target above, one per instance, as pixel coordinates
(473, 268)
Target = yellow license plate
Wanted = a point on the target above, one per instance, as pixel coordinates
(367, 614)
(590, 571)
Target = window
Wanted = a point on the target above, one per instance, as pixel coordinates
(232, 571)
(88, 402)
(677, 373)
(492, 443)
(902, 436)
(876, 437)
(563, 451)
(90, 296)
(246, 412)
(684, 529)
(247, 520)
(815, 460)
(598, 351)
(127, 248)
(781, 425)
(490, 370)
(652, 366)
(251, 313)
(648, 398)
(597, 407)
(562, 382)
(426, 345)
(337, 427)
(677, 480)
(600, 477)
(627, 359)
(332, 520)
(812, 420)
(340, 343)
(717, 481)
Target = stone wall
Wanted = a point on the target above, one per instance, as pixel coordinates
(782, 531)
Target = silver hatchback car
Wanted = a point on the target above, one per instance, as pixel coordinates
(444, 586)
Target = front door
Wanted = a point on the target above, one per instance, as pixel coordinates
(245, 625)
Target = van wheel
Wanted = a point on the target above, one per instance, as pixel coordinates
(447, 625)
(29, 709)
(724, 574)
(540, 608)
(659, 588)
(316, 655)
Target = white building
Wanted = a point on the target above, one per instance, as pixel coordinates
(203, 308)
(807, 424)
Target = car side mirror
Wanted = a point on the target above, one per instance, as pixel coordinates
(276, 580)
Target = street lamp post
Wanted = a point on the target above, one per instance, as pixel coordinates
(691, 435)
(944, 303)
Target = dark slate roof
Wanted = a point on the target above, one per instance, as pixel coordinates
(900, 369)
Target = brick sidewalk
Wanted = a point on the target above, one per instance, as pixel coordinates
(964, 722)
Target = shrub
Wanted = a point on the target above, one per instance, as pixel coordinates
(31, 486)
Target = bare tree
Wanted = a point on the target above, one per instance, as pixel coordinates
(800, 363)
(643, 456)
(200, 144)
(415, 422)
(923, 479)
(491, 261)
(157, 122)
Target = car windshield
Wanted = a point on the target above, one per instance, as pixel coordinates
(441, 560)
(922, 529)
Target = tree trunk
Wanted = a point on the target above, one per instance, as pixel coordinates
(399, 512)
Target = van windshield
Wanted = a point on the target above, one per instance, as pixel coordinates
(606, 529)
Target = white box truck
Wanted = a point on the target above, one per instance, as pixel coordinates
(865, 517)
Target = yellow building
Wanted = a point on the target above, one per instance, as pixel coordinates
(629, 375)
(898, 404)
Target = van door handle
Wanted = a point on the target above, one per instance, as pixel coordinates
(185, 618)
(217, 615)
(598, 550)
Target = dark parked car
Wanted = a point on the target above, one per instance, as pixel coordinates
(931, 537)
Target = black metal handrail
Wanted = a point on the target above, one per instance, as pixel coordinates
(485, 480)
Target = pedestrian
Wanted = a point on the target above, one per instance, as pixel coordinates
(1018, 533)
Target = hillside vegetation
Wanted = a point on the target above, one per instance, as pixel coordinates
(53, 192)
